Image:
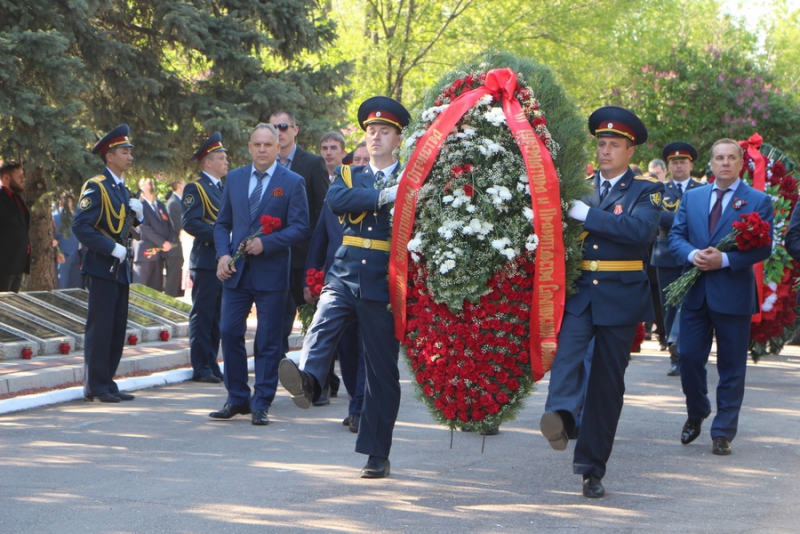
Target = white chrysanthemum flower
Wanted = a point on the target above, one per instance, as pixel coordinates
(532, 243)
(485, 100)
(448, 228)
(415, 243)
(489, 148)
(528, 212)
(430, 114)
(500, 244)
(509, 253)
(769, 302)
(415, 257)
(471, 208)
(496, 116)
(447, 266)
(447, 199)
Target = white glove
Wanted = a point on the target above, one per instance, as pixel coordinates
(119, 252)
(136, 206)
(387, 195)
(578, 210)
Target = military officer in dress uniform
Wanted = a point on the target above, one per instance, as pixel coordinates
(200, 204)
(620, 220)
(102, 210)
(357, 288)
(680, 157)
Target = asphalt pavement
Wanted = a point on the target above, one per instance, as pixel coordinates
(160, 464)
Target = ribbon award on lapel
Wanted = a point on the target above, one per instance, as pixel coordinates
(752, 146)
(549, 280)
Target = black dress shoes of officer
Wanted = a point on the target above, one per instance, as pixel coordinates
(103, 397)
(691, 429)
(324, 399)
(376, 467)
(298, 383)
(123, 396)
(552, 427)
(260, 418)
(208, 379)
(229, 410)
(592, 487)
(721, 446)
(353, 421)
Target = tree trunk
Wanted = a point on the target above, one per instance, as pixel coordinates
(43, 268)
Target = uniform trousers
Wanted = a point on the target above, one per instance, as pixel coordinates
(204, 319)
(733, 339)
(667, 275)
(174, 264)
(236, 305)
(605, 387)
(350, 353)
(104, 339)
(149, 273)
(336, 309)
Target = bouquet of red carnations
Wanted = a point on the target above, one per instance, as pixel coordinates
(748, 233)
(314, 281)
(268, 225)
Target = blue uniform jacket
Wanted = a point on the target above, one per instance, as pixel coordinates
(619, 229)
(285, 198)
(200, 204)
(325, 242)
(662, 257)
(92, 226)
(730, 290)
(364, 271)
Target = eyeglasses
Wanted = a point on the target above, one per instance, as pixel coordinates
(283, 126)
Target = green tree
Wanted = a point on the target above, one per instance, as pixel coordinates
(700, 95)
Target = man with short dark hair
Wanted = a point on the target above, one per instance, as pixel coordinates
(315, 176)
(261, 274)
(659, 168)
(15, 221)
(357, 288)
(103, 208)
(620, 219)
(723, 299)
(331, 148)
(200, 204)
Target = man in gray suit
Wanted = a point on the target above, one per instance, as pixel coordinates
(173, 258)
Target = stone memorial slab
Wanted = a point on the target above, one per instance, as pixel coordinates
(76, 301)
(161, 298)
(67, 326)
(44, 339)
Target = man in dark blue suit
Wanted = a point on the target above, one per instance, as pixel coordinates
(200, 205)
(156, 235)
(102, 210)
(723, 299)
(357, 288)
(261, 275)
(679, 157)
(620, 220)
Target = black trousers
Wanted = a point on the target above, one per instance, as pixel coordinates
(172, 286)
(149, 273)
(106, 325)
(204, 319)
(10, 282)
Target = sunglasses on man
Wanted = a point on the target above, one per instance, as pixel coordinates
(283, 126)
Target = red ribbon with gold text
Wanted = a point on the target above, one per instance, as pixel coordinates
(549, 286)
(752, 146)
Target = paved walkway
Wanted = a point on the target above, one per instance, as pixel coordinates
(159, 464)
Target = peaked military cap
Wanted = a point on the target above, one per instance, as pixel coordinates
(382, 109)
(212, 144)
(348, 158)
(614, 121)
(116, 138)
(679, 149)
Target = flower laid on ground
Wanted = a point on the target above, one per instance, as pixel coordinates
(473, 247)
(747, 233)
(315, 280)
(268, 225)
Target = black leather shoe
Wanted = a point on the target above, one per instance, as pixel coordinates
(376, 468)
(691, 429)
(324, 399)
(208, 379)
(575, 431)
(354, 419)
(674, 368)
(721, 446)
(104, 397)
(552, 427)
(123, 396)
(260, 418)
(297, 383)
(229, 410)
(592, 487)
(346, 421)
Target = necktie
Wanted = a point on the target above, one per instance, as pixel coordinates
(219, 186)
(255, 196)
(379, 176)
(716, 211)
(606, 187)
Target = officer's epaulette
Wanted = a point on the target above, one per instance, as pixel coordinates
(646, 178)
(97, 179)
